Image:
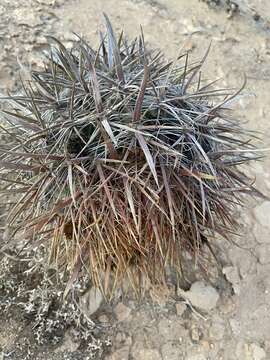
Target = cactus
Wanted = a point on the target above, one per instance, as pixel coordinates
(123, 162)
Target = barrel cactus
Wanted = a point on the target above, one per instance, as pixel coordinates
(122, 162)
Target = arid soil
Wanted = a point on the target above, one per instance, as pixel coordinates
(233, 322)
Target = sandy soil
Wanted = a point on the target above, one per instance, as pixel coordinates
(239, 325)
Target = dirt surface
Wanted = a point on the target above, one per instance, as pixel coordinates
(237, 325)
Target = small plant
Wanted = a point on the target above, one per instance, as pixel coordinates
(33, 295)
(124, 162)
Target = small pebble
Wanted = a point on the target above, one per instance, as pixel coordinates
(122, 312)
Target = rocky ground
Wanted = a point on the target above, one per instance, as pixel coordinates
(228, 319)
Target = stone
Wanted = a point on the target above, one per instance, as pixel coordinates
(196, 357)
(120, 354)
(232, 275)
(262, 213)
(91, 301)
(241, 351)
(228, 306)
(201, 295)
(103, 319)
(196, 334)
(243, 260)
(171, 330)
(180, 308)
(258, 352)
(263, 253)
(122, 312)
(217, 330)
(206, 346)
(249, 351)
(146, 354)
(26, 16)
(261, 233)
(46, 2)
(235, 326)
(170, 351)
(122, 339)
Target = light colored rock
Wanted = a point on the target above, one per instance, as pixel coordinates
(197, 357)
(235, 326)
(180, 308)
(122, 339)
(170, 351)
(26, 16)
(217, 330)
(262, 213)
(201, 295)
(146, 354)
(91, 301)
(252, 351)
(120, 354)
(263, 253)
(195, 334)
(232, 275)
(228, 306)
(103, 319)
(243, 260)
(261, 233)
(242, 351)
(46, 2)
(122, 312)
(206, 346)
(258, 352)
(171, 330)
